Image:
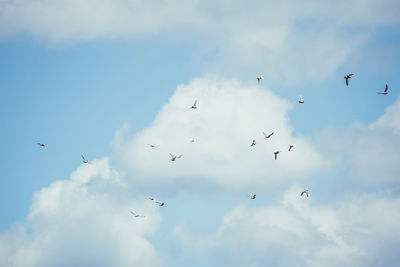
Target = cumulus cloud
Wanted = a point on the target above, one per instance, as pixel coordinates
(360, 230)
(83, 221)
(287, 40)
(229, 116)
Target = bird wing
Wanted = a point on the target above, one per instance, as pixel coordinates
(386, 88)
(172, 156)
(347, 81)
(83, 157)
(134, 214)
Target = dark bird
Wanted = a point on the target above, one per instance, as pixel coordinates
(385, 92)
(290, 147)
(160, 203)
(259, 78)
(136, 215)
(174, 157)
(40, 144)
(151, 145)
(253, 196)
(347, 77)
(152, 199)
(304, 192)
(194, 106)
(84, 160)
(253, 143)
(276, 154)
(301, 101)
(269, 135)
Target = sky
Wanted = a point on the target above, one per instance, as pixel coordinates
(106, 78)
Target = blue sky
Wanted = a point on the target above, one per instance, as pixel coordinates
(105, 79)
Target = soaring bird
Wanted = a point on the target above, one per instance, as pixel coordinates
(151, 145)
(253, 143)
(301, 101)
(259, 78)
(84, 160)
(137, 215)
(192, 140)
(276, 154)
(194, 106)
(347, 77)
(40, 144)
(160, 203)
(268, 135)
(174, 157)
(152, 199)
(290, 147)
(385, 92)
(253, 196)
(304, 192)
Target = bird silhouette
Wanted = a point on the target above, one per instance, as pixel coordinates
(347, 77)
(384, 92)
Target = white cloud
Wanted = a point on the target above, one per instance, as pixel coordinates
(358, 231)
(83, 221)
(229, 116)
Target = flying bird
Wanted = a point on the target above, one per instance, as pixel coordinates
(253, 143)
(152, 199)
(269, 135)
(290, 147)
(160, 203)
(253, 196)
(40, 144)
(151, 145)
(137, 215)
(192, 140)
(259, 78)
(194, 106)
(304, 192)
(276, 154)
(347, 77)
(174, 157)
(84, 160)
(385, 92)
(301, 101)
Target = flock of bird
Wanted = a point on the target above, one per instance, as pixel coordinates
(174, 157)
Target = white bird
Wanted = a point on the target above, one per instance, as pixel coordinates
(259, 78)
(194, 106)
(276, 154)
(84, 160)
(268, 135)
(304, 192)
(192, 140)
(41, 144)
(385, 92)
(137, 215)
(290, 147)
(253, 143)
(174, 157)
(301, 101)
(151, 145)
(253, 196)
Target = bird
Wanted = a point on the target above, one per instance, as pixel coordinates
(269, 135)
(301, 101)
(304, 192)
(151, 145)
(347, 77)
(137, 215)
(174, 157)
(253, 196)
(385, 92)
(84, 160)
(192, 140)
(41, 144)
(152, 199)
(259, 78)
(276, 154)
(194, 106)
(253, 143)
(290, 147)
(160, 203)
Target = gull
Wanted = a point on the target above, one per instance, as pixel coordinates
(269, 135)
(194, 106)
(259, 78)
(276, 154)
(301, 101)
(385, 92)
(151, 145)
(253, 196)
(290, 147)
(174, 157)
(160, 203)
(253, 143)
(192, 140)
(40, 144)
(347, 77)
(84, 160)
(136, 215)
(304, 192)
